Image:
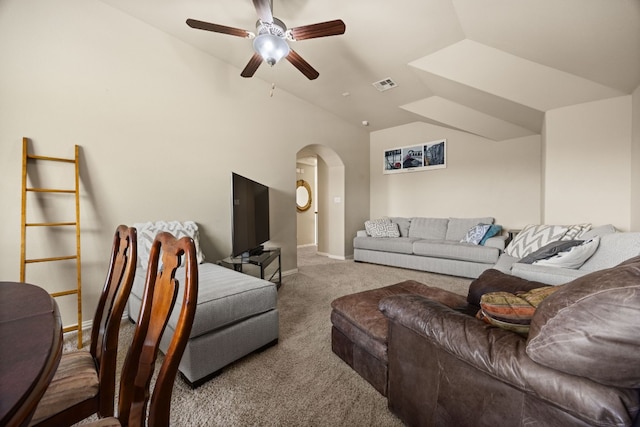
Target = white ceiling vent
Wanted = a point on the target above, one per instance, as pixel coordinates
(385, 84)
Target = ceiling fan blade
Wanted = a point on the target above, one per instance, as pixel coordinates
(264, 9)
(207, 26)
(322, 29)
(302, 65)
(252, 66)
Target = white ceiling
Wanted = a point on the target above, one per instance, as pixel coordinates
(490, 67)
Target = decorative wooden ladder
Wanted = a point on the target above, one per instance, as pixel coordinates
(24, 261)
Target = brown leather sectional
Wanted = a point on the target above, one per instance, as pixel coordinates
(440, 366)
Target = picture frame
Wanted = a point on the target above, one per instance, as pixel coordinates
(419, 157)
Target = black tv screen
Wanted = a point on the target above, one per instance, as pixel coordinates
(250, 210)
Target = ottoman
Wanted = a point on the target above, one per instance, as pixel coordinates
(236, 315)
(359, 329)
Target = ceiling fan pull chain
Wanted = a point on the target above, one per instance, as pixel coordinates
(273, 87)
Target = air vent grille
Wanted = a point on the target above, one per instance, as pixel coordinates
(385, 84)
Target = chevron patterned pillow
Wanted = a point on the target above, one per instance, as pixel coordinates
(147, 233)
(533, 237)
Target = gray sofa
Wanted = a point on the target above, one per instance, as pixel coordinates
(614, 248)
(431, 244)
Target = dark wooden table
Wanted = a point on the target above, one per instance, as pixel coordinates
(30, 349)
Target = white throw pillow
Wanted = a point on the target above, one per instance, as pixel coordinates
(573, 257)
(475, 234)
(533, 237)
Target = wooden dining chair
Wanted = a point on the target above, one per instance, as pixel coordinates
(84, 383)
(160, 295)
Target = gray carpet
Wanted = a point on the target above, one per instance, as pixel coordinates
(299, 382)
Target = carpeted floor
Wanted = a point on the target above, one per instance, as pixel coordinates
(298, 382)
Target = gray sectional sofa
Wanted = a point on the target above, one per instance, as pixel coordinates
(614, 247)
(431, 244)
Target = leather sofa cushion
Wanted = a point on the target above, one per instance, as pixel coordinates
(589, 327)
(459, 251)
(398, 245)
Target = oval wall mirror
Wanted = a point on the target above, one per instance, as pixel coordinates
(303, 195)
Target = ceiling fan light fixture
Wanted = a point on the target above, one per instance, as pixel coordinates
(271, 48)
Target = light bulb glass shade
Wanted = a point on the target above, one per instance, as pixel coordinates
(271, 48)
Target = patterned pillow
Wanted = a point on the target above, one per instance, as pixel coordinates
(147, 233)
(533, 237)
(476, 233)
(382, 228)
(493, 231)
(373, 223)
(512, 311)
(575, 231)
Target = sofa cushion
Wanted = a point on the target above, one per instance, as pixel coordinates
(613, 248)
(403, 225)
(475, 234)
(573, 257)
(533, 237)
(589, 327)
(400, 245)
(429, 228)
(459, 251)
(598, 231)
(512, 311)
(225, 297)
(457, 228)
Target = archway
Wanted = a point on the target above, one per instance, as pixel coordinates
(328, 207)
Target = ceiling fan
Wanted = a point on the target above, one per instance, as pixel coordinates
(270, 43)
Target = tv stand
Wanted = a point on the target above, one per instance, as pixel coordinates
(266, 257)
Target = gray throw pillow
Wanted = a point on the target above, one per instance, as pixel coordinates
(549, 250)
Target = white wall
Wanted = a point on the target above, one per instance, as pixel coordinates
(161, 127)
(588, 163)
(482, 177)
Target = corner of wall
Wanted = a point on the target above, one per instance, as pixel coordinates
(635, 160)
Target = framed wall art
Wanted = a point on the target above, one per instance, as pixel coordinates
(427, 156)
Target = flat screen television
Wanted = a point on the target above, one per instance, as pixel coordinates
(250, 215)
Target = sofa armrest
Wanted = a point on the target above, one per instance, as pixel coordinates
(361, 233)
(496, 354)
(496, 242)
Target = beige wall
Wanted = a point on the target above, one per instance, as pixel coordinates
(635, 161)
(306, 221)
(588, 163)
(482, 177)
(161, 126)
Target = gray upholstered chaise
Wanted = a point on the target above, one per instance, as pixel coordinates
(236, 315)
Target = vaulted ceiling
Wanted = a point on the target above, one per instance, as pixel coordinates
(489, 67)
